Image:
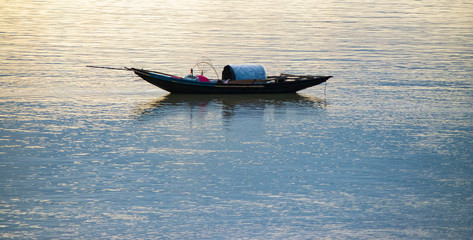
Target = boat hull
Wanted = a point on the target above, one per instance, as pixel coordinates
(180, 85)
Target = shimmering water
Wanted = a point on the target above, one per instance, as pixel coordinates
(383, 151)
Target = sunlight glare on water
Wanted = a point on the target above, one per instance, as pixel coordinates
(383, 151)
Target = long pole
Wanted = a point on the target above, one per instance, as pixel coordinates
(112, 68)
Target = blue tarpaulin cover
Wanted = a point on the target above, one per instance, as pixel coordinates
(243, 72)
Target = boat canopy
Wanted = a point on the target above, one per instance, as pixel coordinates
(243, 72)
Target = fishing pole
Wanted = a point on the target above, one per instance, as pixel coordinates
(129, 69)
(112, 68)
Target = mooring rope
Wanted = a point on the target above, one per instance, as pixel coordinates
(325, 92)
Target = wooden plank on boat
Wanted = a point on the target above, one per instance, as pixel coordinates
(251, 81)
(239, 85)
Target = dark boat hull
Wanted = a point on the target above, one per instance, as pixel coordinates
(180, 85)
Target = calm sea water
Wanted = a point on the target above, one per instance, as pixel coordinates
(383, 151)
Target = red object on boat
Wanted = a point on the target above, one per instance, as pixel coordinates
(202, 78)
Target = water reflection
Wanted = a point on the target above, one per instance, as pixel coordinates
(226, 107)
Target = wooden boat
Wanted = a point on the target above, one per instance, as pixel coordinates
(233, 81)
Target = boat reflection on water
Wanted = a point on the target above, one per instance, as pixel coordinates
(227, 107)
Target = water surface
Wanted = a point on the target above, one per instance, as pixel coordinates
(383, 151)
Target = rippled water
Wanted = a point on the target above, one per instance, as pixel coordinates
(383, 151)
